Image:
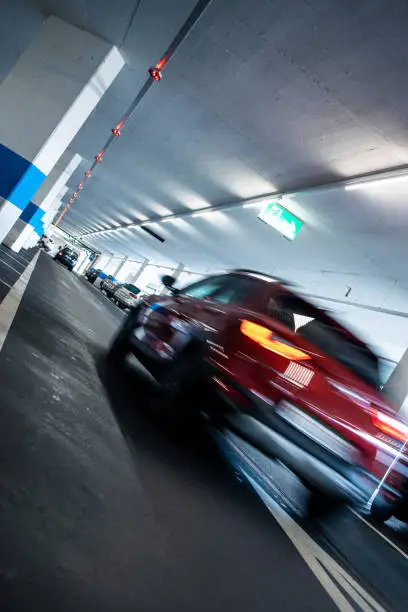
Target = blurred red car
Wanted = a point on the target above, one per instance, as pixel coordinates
(294, 382)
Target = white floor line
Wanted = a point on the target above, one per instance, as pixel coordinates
(15, 258)
(336, 581)
(378, 532)
(9, 266)
(4, 283)
(10, 304)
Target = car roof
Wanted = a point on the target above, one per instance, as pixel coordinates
(262, 276)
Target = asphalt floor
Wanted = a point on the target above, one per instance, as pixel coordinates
(12, 265)
(103, 509)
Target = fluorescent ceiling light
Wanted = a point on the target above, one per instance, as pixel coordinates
(383, 182)
(202, 213)
(251, 205)
(167, 219)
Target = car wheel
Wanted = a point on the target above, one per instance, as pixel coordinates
(321, 506)
(381, 510)
(181, 387)
(120, 345)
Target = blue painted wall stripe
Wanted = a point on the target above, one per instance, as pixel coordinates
(19, 179)
(33, 214)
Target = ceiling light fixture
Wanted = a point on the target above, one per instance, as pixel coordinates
(251, 205)
(167, 219)
(202, 213)
(382, 182)
(154, 75)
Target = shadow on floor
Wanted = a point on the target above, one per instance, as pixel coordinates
(190, 444)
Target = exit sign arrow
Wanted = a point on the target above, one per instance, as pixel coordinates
(281, 219)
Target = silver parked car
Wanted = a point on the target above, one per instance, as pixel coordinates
(127, 295)
(108, 286)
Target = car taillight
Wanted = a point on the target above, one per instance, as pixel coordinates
(390, 426)
(269, 340)
(133, 295)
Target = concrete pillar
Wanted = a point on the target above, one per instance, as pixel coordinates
(178, 270)
(46, 220)
(175, 274)
(140, 271)
(44, 199)
(396, 388)
(120, 266)
(97, 260)
(53, 209)
(44, 101)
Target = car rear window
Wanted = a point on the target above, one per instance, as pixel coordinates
(322, 331)
(132, 288)
(70, 253)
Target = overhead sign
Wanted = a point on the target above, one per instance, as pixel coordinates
(281, 219)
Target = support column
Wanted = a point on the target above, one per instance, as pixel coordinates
(53, 209)
(97, 261)
(396, 388)
(175, 274)
(140, 271)
(32, 219)
(120, 266)
(44, 101)
(178, 270)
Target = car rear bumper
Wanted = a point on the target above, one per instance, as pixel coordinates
(65, 261)
(347, 483)
(124, 303)
(316, 466)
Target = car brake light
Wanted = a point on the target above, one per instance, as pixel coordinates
(270, 341)
(133, 295)
(390, 426)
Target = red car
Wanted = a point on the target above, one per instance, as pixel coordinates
(293, 382)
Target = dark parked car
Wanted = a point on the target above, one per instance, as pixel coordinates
(68, 257)
(293, 382)
(92, 274)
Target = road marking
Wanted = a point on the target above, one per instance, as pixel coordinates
(4, 283)
(9, 266)
(15, 258)
(10, 304)
(336, 581)
(345, 591)
(382, 535)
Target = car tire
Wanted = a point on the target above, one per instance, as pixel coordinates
(120, 345)
(321, 506)
(381, 511)
(180, 387)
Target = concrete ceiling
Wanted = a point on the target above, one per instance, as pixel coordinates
(261, 97)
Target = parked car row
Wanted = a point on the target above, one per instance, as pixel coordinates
(125, 295)
(288, 378)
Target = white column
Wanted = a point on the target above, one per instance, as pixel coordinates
(178, 270)
(396, 388)
(140, 271)
(119, 267)
(54, 208)
(44, 101)
(44, 199)
(97, 283)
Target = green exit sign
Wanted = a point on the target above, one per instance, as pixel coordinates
(281, 219)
